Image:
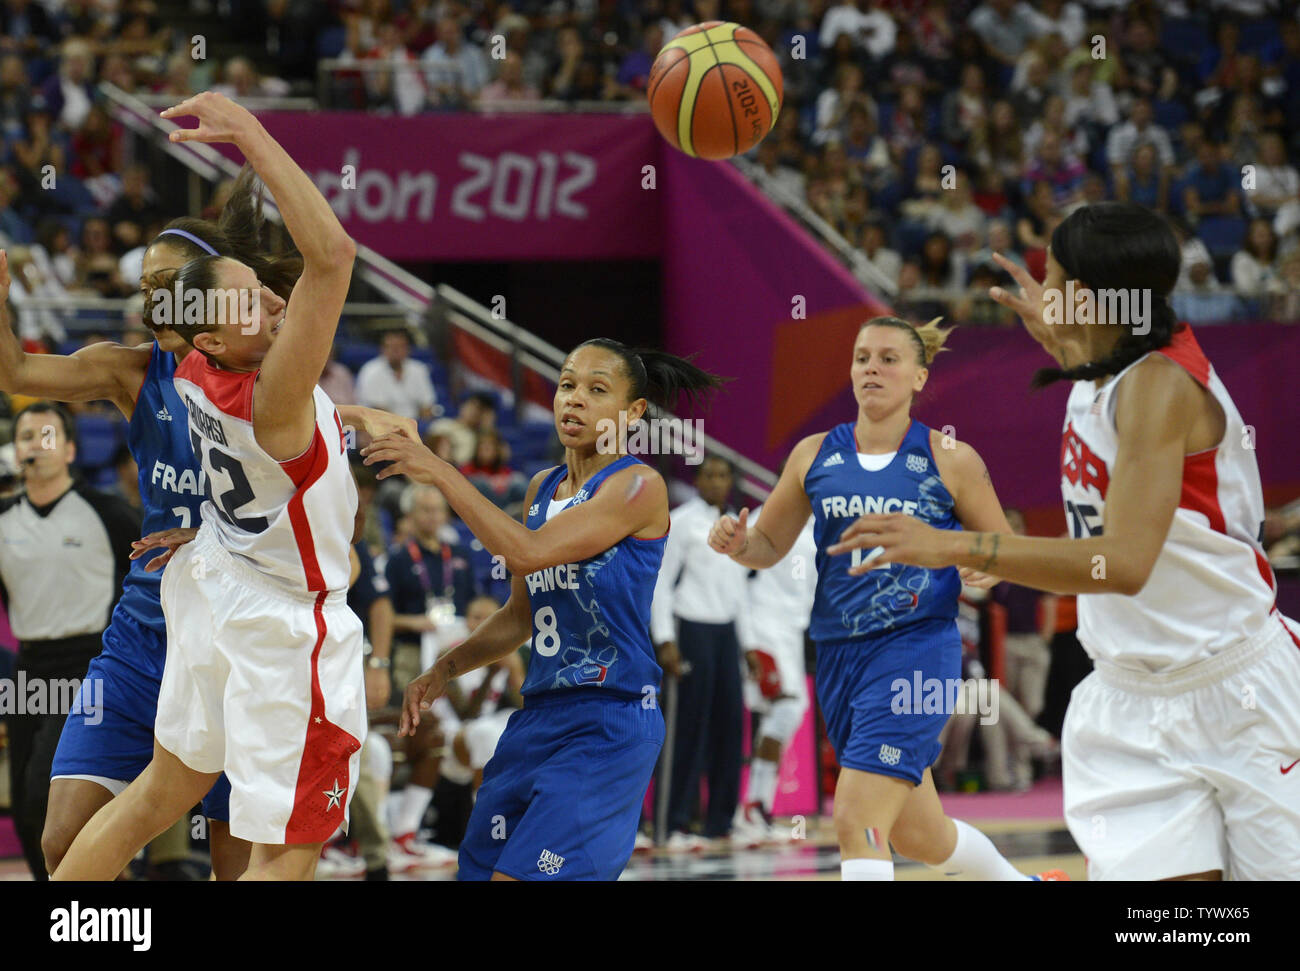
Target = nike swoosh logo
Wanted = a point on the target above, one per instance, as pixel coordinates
(1291, 766)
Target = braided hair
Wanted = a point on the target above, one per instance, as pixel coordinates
(1118, 246)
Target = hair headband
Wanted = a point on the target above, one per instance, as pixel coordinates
(192, 238)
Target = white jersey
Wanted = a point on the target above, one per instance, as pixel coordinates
(291, 521)
(782, 595)
(1212, 585)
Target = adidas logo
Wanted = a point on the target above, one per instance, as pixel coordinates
(163, 414)
(836, 459)
(534, 509)
(580, 496)
(550, 863)
(890, 755)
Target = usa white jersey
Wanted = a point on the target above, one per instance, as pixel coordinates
(1211, 585)
(782, 595)
(291, 521)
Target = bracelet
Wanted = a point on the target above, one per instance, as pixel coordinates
(379, 662)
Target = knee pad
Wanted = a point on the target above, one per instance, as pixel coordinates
(784, 719)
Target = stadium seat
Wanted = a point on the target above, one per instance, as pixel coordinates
(1184, 39)
(1222, 235)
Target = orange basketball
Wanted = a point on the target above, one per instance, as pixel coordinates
(715, 90)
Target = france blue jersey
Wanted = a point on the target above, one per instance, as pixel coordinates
(171, 487)
(840, 490)
(591, 620)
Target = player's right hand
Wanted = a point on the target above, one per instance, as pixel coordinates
(420, 696)
(670, 658)
(1028, 304)
(220, 119)
(170, 539)
(729, 534)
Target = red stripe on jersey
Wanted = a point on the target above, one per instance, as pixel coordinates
(230, 391)
(1201, 488)
(298, 512)
(321, 793)
(1265, 570)
(1185, 350)
(300, 468)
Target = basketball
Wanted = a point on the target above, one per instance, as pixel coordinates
(715, 90)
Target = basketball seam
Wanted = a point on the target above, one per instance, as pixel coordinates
(726, 95)
(650, 95)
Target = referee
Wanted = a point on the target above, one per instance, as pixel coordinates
(64, 552)
(699, 602)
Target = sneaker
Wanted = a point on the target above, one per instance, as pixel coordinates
(405, 852)
(338, 864)
(1051, 875)
(683, 842)
(644, 844)
(751, 827)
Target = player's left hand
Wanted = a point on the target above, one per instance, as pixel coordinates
(899, 538)
(170, 539)
(379, 688)
(408, 458)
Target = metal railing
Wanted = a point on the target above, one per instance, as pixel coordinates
(830, 237)
(408, 292)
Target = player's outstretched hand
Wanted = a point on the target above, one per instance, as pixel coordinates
(1028, 303)
(420, 696)
(895, 538)
(408, 458)
(380, 423)
(169, 539)
(220, 119)
(729, 534)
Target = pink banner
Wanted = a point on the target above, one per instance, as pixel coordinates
(482, 187)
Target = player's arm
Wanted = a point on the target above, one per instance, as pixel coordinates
(508, 627)
(1155, 415)
(283, 411)
(97, 372)
(375, 422)
(631, 501)
(975, 501)
(785, 512)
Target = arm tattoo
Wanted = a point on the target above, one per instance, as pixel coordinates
(451, 669)
(979, 548)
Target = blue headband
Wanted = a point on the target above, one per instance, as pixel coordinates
(192, 238)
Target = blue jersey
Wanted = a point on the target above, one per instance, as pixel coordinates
(840, 490)
(171, 488)
(591, 620)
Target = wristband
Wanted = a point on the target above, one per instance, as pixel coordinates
(379, 662)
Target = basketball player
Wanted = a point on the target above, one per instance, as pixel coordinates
(561, 797)
(898, 624)
(1176, 750)
(264, 674)
(780, 602)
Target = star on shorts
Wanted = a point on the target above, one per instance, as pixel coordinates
(335, 795)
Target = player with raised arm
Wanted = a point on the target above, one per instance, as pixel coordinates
(561, 797)
(895, 626)
(1177, 601)
(264, 674)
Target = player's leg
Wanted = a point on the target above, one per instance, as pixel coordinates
(294, 861)
(72, 804)
(866, 806)
(160, 795)
(503, 798)
(229, 853)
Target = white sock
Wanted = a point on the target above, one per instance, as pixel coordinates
(976, 858)
(866, 869)
(762, 783)
(415, 800)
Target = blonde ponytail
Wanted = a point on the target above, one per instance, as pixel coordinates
(929, 338)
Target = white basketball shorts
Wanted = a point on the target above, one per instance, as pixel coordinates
(265, 686)
(1173, 774)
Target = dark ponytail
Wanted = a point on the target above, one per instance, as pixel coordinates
(241, 232)
(659, 377)
(1118, 246)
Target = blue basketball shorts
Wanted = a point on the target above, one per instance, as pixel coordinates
(561, 797)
